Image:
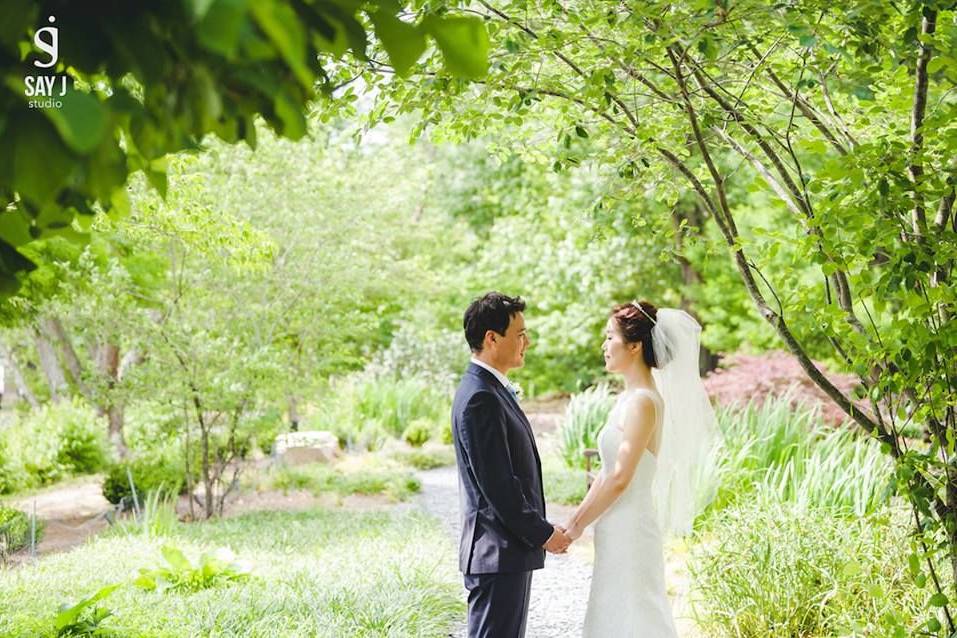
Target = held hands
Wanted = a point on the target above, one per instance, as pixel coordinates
(558, 542)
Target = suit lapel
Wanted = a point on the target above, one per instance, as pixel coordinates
(512, 402)
(507, 397)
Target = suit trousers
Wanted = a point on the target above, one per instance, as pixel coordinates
(498, 604)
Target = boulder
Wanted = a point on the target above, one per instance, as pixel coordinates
(297, 448)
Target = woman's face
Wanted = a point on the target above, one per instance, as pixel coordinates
(619, 354)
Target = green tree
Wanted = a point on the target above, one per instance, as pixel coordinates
(149, 79)
(818, 138)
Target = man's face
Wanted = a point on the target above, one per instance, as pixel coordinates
(509, 350)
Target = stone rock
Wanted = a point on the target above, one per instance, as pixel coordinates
(297, 448)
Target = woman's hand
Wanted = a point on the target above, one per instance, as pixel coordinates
(572, 531)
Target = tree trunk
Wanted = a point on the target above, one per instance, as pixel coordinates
(207, 476)
(56, 380)
(108, 356)
(13, 373)
(54, 327)
(293, 405)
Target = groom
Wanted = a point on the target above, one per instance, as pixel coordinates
(504, 531)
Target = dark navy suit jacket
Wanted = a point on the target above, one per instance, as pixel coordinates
(500, 479)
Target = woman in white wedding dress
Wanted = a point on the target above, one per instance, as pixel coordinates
(645, 481)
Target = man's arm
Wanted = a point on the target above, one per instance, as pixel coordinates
(483, 439)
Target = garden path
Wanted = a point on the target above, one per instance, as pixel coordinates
(559, 592)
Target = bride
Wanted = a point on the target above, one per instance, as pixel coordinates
(659, 431)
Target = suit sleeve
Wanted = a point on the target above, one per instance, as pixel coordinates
(483, 438)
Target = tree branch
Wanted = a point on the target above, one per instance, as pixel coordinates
(803, 105)
(916, 168)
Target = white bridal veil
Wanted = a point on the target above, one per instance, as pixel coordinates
(689, 432)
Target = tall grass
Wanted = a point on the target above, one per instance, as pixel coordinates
(156, 518)
(585, 416)
(770, 570)
(785, 454)
(362, 413)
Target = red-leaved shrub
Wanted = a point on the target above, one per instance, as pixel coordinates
(755, 378)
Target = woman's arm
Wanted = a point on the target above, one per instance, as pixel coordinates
(638, 428)
(590, 497)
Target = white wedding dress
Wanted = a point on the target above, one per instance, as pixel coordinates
(628, 597)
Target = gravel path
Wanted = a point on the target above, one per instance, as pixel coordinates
(559, 592)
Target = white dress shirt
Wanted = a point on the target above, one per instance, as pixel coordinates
(498, 375)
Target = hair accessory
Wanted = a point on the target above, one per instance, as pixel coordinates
(638, 306)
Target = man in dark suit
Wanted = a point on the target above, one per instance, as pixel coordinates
(504, 531)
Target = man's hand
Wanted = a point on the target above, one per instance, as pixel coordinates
(558, 542)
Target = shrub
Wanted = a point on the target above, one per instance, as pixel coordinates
(50, 443)
(446, 433)
(436, 357)
(418, 433)
(756, 378)
(425, 459)
(165, 472)
(396, 403)
(82, 448)
(9, 479)
(562, 484)
(395, 483)
(371, 435)
(362, 412)
(15, 530)
(265, 427)
(585, 416)
(775, 570)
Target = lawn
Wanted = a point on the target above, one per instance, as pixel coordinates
(325, 572)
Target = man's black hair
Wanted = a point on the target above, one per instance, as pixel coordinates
(492, 311)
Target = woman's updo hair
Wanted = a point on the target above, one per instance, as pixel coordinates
(636, 325)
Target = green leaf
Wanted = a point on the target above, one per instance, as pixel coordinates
(175, 557)
(199, 8)
(851, 569)
(156, 174)
(145, 581)
(120, 202)
(464, 44)
(402, 41)
(283, 27)
(290, 114)
(107, 169)
(16, 16)
(81, 121)
(41, 164)
(68, 615)
(12, 263)
(938, 600)
(15, 227)
(221, 27)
